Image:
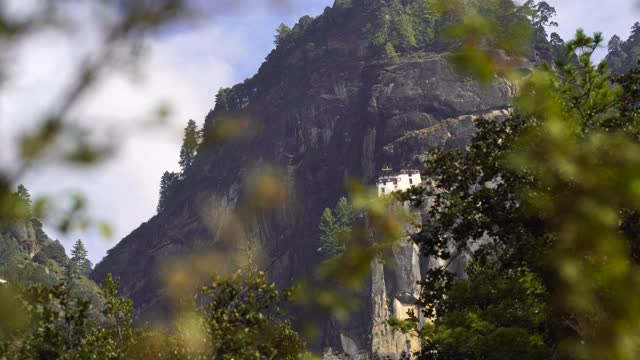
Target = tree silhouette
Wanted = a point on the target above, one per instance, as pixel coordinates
(190, 143)
(167, 184)
(282, 31)
(80, 264)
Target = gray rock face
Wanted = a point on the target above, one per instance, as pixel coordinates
(22, 234)
(426, 83)
(321, 114)
(394, 292)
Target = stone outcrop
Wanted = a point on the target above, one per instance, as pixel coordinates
(27, 236)
(28, 255)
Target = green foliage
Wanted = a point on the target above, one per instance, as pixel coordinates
(585, 192)
(402, 32)
(53, 323)
(190, 143)
(624, 55)
(236, 318)
(438, 24)
(410, 326)
(415, 25)
(551, 186)
(242, 320)
(335, 227)
(168, 184)
(57, 324)
(222, 99)
(282, 32)
(498, 312)
(116, 308)
(481, 28)
(29, 259)
(559, 50)
(115, 339)
(427, 21)
(540, 15)
(390, 53)
(79, 264)
(24, 198)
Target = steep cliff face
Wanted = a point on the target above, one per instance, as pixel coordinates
(323, 110)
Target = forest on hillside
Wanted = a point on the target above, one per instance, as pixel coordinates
(547, 201)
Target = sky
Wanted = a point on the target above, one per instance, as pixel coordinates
(183, 68)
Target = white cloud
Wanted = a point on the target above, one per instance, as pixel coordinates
(125, 189)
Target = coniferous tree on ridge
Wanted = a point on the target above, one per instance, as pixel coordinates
(79, 264)
(188, 153)
(23, 194)
(167, 183)
(282, 32)
(23, 198)
(190, 143)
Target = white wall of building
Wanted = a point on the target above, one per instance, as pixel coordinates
(398, 182)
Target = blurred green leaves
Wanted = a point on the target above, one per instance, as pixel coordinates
(552, 186)
(493, 36)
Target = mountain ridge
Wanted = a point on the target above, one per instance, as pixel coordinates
(318, 112)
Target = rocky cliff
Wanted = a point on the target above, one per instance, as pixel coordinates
(322, 109)
(27, 255)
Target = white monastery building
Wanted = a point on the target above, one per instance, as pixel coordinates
(401, 181)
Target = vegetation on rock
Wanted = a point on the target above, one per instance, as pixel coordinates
(171, 181)
(335, 228)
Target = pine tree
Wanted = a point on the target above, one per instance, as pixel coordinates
(614, 44)
(80, 264)
(118, 309)
(344, 214)
(23, 202)
(390, 53)
(88, 266)
(334, 229)
(282, 32)
(540, 15)
(403, 34)
(222, 99)
(328, 246)
(70, 273)
(635, 33)
(23, 194)
(167, 184)
(190, 143)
